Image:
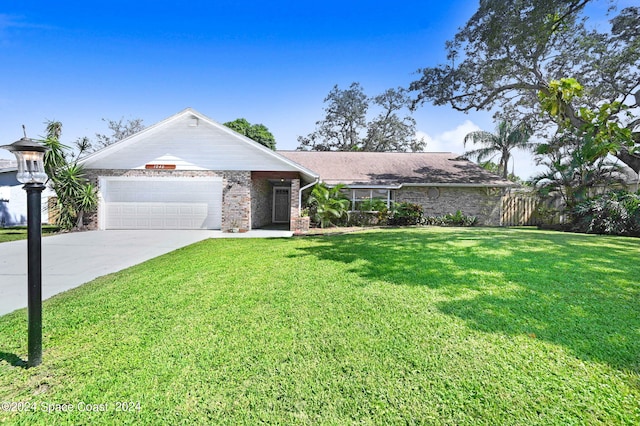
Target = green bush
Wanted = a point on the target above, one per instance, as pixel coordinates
(613, 213)
(373, 205)
(456, 219)
(327, 205)
(404, 214)
(365, 218)
(370, 213)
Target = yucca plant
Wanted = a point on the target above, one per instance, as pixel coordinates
(76, 195)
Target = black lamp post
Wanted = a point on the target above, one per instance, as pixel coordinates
(30, 156)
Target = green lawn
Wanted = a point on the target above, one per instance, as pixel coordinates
(405, 326)
(20, 233)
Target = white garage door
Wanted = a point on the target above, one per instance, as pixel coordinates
(162, 203)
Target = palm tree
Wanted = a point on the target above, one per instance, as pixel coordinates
(507, 138)
(574, 168)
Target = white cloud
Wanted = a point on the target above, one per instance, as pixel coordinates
(450, 140)
(453, 141)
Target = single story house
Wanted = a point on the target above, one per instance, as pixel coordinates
(190, 172)
(440, 182)
(13, 198)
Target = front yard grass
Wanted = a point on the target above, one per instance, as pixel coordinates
(404, 326)
(20, 232)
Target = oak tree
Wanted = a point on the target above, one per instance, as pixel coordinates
(347, 126)
(258, 132)
(512, 55)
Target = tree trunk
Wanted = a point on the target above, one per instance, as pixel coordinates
(631, 160)
(80, 221)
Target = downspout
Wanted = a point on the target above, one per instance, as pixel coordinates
(300, 193)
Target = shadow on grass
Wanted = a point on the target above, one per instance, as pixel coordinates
(578, 291)
(13, 359)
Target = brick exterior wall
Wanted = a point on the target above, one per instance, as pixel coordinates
(261, 203)
(236, 200)
(295, 202)
(300, 225)
(484, 203)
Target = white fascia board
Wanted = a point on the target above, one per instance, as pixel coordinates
(360, 186)
(461, 185)
(311, 175)
(416, 185)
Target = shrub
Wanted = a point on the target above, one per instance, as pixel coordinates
(371, 213)
(614, 213)
(404, 214)
(373, 205)
(327, 205)
(364, 218)
(456, 219)
(545, 215)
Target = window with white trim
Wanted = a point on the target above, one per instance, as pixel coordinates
(368, 199)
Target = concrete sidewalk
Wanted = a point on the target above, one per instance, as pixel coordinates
(70, 260)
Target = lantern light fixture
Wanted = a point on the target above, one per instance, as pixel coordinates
(30, 157)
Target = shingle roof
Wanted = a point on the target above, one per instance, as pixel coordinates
(395, 168)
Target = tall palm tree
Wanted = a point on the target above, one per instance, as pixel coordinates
(507, 138)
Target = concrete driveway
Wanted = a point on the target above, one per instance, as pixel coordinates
(70, 260)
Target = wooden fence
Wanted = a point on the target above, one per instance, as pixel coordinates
(519, 210)
(527, 209)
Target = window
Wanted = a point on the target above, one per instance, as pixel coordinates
(369, 199)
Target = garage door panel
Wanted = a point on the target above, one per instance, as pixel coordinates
(148, 203)
(158, 216)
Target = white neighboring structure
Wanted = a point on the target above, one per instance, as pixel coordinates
(13, 199)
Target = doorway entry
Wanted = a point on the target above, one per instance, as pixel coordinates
(281, 204)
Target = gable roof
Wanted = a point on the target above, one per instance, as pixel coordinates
(395, 169)
(191, 141)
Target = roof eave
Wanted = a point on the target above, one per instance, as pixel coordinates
(464, 185)
(333, 182)
(308, 174)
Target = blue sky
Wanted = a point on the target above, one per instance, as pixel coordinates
(271, 62)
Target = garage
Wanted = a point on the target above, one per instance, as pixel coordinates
(161, 203)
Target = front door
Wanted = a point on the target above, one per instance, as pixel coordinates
(281, 204)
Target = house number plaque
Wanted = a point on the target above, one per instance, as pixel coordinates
(160, 166)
